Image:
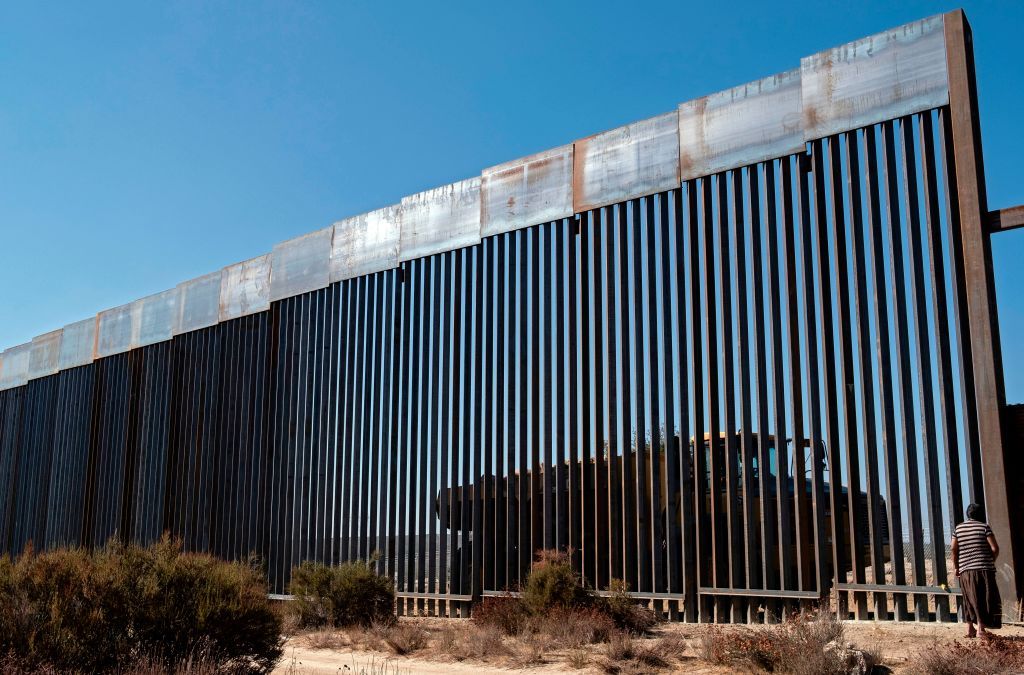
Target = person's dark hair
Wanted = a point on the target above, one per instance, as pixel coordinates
(976, 512)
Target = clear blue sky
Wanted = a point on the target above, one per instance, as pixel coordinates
(143, 144)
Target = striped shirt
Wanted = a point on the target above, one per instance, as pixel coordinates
(971, 537)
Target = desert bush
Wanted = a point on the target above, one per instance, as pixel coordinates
(478, 643)
(403, 637)
(552, 582)
(575, 627)
(800, 646)
(504, 613)
(351, 594)
(73, 610)
(624, 610)
(997, 655)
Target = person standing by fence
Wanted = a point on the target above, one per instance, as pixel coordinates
(975, 550)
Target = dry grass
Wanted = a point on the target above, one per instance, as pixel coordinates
(325, 639)
(997, 655)
(799, 646)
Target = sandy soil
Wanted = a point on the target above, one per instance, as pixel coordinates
(897, 642)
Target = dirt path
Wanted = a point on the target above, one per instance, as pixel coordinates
(898, 643)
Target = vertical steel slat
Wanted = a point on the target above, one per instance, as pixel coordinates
(490, 529)
(662, 379)
(561, 321)
(433, 422)
(601, 531)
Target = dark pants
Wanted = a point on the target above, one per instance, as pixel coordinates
(981, 598)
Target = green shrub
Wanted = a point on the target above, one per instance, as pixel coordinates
(553, 583)
(351, 594)
(71, 610)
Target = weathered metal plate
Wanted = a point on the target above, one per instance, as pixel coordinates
(740, 126)
(78, 345)
(366, 243)
(442, 219)
(877, 78)
(526, 191)
(198, 303)
(14, 371)
(116, 330)
(245, 288)
(638, 159)
(157, 315)
(44, 358)
(301, 265)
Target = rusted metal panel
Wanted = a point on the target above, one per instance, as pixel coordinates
(78, 344)
(245, 288)
(301, 265)
(634, 160)
(877, 78)
(198, 303)
(157, 315)
(744, 125)
(44, 358)
(526, 191)
(116, 330)
(443, 219)
(365, 244)
(15, 366)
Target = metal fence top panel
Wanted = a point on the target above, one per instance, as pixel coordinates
(301, 265)
(78, 344)
(877, 78)
(156, 316)
(116, 330)
(366, 243)
(198, 303)
(751, 123)
(245, 288)
(14, 371)
(443, 219)
(527, 191)
(44, 358)
(634, 160)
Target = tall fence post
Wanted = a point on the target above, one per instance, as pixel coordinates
(986, 356)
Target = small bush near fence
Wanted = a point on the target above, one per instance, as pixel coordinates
(351, 594)
(555, 602)
(75, 611)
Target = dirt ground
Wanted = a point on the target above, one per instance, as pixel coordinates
(897, 642)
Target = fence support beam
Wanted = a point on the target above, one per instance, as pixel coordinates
(981, 306)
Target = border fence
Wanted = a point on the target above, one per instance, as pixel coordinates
(743, 355)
